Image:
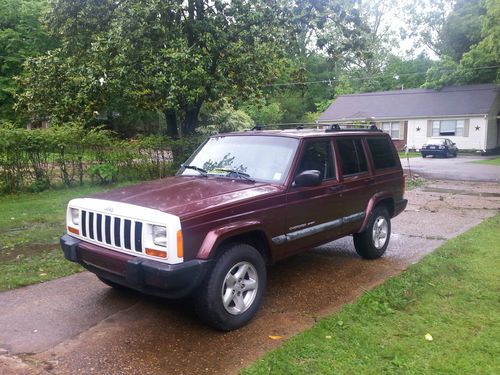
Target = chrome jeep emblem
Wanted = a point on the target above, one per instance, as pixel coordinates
(109, 209)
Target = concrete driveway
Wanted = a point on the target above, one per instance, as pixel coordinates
(77, 325)
(461, 168)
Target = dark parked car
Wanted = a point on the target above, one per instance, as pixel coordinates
(240, 202)
(439, 147)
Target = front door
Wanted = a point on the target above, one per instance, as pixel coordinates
(312, 212)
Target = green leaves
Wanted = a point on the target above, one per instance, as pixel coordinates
(38, 159)
(154, 55)
(466, 36)
(21, 36)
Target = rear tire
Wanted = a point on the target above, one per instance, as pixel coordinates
(232, 293)
(373, 241)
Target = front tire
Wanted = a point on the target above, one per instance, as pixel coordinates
(373, 241)
(232, 293)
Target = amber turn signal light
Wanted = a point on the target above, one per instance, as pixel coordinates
(73, 230)
(180, 245)
(156, 253)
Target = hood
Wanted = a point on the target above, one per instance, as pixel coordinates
(188, 196)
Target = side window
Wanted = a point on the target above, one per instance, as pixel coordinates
(381, 151)
(352, 156)
(317, 155)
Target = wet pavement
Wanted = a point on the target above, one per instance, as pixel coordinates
(77, 325)
(461, 168)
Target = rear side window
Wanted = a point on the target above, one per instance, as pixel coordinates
(352, 156)
(382, 154)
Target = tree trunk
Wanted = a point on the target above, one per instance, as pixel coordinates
(191, 119)
(171, 119)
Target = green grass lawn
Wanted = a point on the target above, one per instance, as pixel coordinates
(495, 161)
(414, 182)
(30, 227)
(452, 295)
(411, 154)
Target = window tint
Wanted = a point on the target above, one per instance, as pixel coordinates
(382, 154)
(352, 156)
(317, 155)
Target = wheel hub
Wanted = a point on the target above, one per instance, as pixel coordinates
(239, 288)
(380, 231)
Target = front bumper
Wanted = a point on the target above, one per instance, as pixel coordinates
(145, 275)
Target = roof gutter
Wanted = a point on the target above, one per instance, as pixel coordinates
(345, 119)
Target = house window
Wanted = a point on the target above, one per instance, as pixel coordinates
(391, 128)
(448, 127)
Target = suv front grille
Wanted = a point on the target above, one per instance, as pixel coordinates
(123, 233)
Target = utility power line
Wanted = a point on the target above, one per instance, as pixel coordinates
(365, 78)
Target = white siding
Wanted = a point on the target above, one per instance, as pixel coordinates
(475, 141)
(493, 140)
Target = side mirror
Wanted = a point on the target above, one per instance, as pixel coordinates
(308, 178)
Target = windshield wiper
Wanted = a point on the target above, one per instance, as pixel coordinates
(242, 175)
(195, 168)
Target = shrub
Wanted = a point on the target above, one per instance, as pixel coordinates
(103, 173)
(37, 159)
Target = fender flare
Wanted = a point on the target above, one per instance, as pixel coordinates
(371, 205)
(217, 235)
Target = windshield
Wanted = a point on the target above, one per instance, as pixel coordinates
(260, 158)
(435, 141)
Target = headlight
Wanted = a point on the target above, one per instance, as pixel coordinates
(160, 235)
(75, 216)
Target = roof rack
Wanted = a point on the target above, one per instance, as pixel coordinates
(288, 125)
(346, 127)
(352, 127)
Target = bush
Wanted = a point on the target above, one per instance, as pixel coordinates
(37, 159)
(103, 173)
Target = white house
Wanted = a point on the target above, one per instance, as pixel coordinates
(468, 115)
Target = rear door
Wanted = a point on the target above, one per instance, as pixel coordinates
(388, 175)
(357, 181)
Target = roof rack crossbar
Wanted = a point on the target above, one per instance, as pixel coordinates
(352, 127)
(289, 125)
(336, 127)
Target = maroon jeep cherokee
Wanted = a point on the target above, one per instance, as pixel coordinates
(240, 202)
